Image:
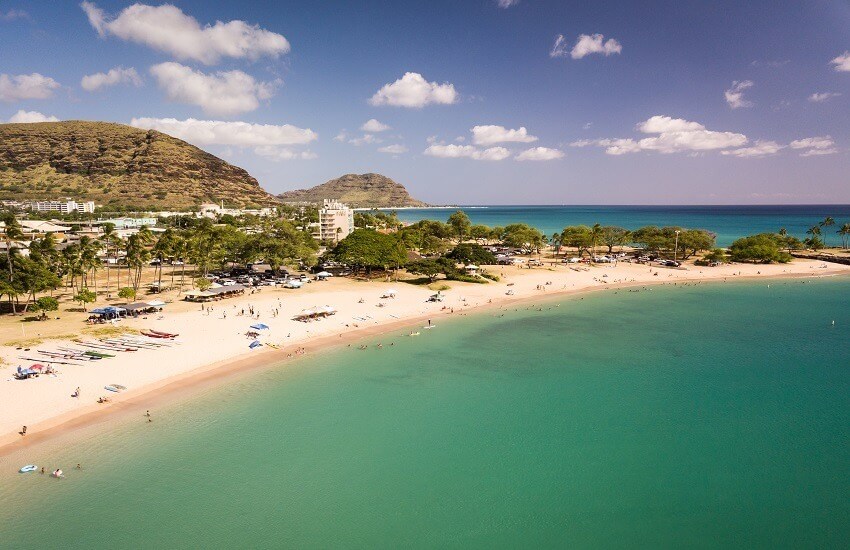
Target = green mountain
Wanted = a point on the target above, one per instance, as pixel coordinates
(117, 165)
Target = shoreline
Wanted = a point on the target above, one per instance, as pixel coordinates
(210, 375)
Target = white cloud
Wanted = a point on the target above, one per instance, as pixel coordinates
(217, 132)
(12, 14)
(507, 3)
(759, 149)
(365, 139)
(412, 90)
(222, 93)
(735, 95)
(814, 146)
(842, 62)
(673, 135)
(467, 151)
(283, 153)
(540, 153)
(587, 125)
(394, 149)
(820, 97)
(118, 75)
(373, 125)
(26, 86)
(559, 48)
(585, 45)
(167, 29)
(490, 134)
(31, 116)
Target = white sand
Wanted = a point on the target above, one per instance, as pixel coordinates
(208, 340)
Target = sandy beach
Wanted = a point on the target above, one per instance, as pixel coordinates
(213, 344)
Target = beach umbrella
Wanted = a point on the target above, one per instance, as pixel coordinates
(260, 326)
(390, 292)
(254, 344)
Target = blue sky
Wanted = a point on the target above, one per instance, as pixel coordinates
(677, 102)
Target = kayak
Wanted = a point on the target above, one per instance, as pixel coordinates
(28, 468)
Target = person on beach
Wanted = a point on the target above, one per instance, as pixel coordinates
(24, 431)
(79, 466)
(42, 470)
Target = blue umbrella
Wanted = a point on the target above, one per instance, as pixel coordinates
(254, 344)
(260, 326)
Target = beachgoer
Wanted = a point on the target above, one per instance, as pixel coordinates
(24, 430)
(42, 469)
(79, 466)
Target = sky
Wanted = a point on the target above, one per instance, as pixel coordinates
(464, 101)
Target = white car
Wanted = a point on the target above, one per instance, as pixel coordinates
(228, 283)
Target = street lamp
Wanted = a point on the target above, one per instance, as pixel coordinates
(676, 248)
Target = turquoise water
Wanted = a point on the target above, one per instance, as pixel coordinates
(699, 416)
(727, 222)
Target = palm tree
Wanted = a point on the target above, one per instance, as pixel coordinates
(109, 235)
(845, 234)
(828, 221)
(12, 233)
(595, 235)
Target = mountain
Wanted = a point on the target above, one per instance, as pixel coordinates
(117, 165)
(357, 190)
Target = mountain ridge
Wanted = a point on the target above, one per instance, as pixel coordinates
(358, 191)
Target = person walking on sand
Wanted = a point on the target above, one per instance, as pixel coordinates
(24, 431)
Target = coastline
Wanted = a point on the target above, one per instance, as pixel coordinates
(211, 374)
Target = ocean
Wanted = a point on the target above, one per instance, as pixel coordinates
(712, 415)
(727, 222)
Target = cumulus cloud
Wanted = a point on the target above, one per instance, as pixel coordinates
(491, 134)
(217, 132)
(735, 95)
(814, 146)
(759, 149)
(672, 135)
(585, 45)
(842, 62)
(222, 93)
(26, 86)
(283, 153)
(167, 29)
(821, 97)
(540, 153)
(31, 116)
(373, 125)
(395, 149)
(118, 75)
(507, 3)
(412, 90)
(466, 151)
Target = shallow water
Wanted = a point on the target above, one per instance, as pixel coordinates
(711, 415)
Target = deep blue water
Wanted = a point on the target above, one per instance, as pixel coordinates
(727, 222)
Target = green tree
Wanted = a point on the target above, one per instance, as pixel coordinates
(762, 248)
(578, 237)
(612, 236)
(45, 304)
(460, 224)
(845, 234)
(827, 222)
(202, 283)
(84, 296)
(127, 293)
(368, 249)
(471, 253)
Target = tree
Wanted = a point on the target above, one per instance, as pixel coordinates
(368, 249)
(84, 296)
(12, 233)
(202, 283)
(127, 293)
(460, 224)
(845, 234)
(717, 255)
(45, 304)
(612, 236)
(521, 235)
(430, 268)
(827, 222)
(578, 237)
(470, 253)
(762, 248)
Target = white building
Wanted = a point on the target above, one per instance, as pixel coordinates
(64, 206)
(336, 221)
(211, 210)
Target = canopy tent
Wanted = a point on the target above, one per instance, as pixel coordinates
(390, 292)
(109, 312)
(216, 293)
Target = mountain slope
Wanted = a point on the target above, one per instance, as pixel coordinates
(357, 190)
(117, 165)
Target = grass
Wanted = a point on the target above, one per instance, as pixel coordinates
(109, 331)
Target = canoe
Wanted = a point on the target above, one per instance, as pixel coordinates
(28, 468)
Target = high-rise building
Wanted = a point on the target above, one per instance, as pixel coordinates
(336, 221)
